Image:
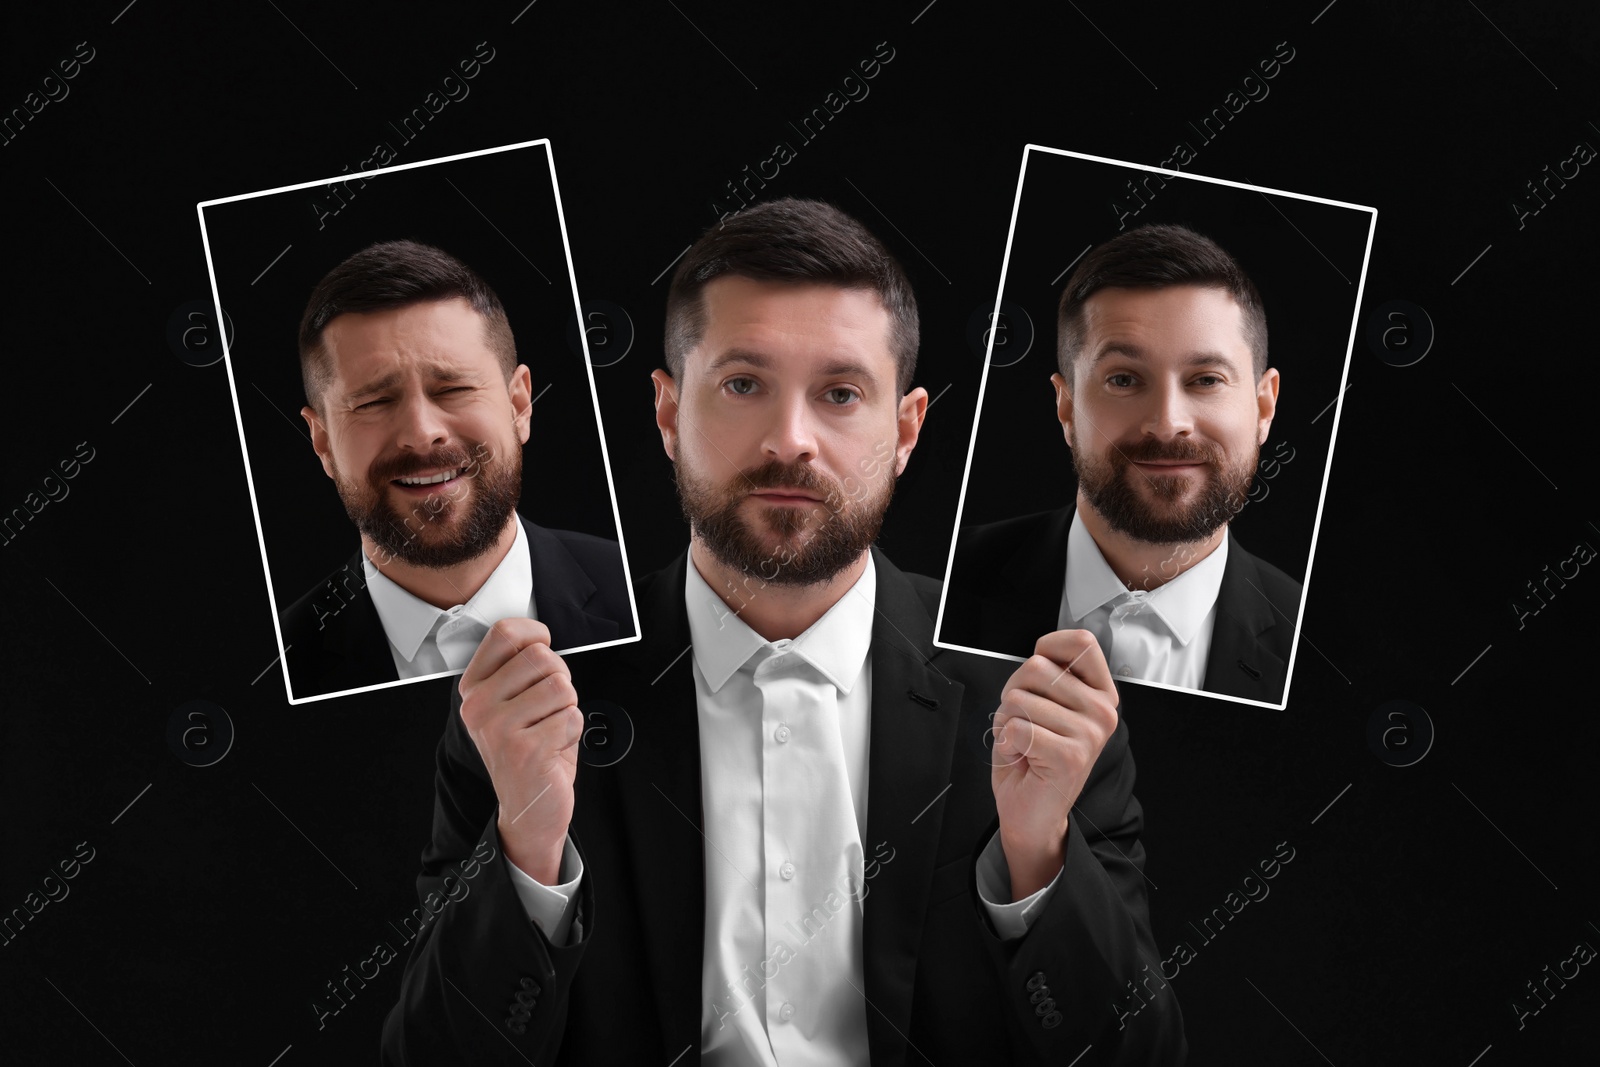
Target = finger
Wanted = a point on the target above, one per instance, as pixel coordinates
(553, 734)
(1045, 752)
(1013, 737)
(1078, 653)
(505, 639)
(1090, 725)
(1046, 679)
(528, 701)
(530, 665)
(526, 689)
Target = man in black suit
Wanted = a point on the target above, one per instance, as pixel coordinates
(716, 886)
(418, 410)
(1165, 398)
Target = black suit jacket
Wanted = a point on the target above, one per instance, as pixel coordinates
(336, 641)
(484, 986)
(1005, 593)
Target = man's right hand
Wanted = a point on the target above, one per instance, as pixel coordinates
(520, 709)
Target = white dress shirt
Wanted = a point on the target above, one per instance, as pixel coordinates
(426, 640)
(1161, 634)
(784, 731)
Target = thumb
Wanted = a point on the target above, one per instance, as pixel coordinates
(1012, 736)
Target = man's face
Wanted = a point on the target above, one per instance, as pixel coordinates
(1164, 414)
(420, 430)
(786, 431)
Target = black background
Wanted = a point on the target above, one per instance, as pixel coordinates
(1421, 899)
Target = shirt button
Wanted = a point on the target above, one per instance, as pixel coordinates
(1125, 670)
(786, 1013)
(786, 871)
(782, 732)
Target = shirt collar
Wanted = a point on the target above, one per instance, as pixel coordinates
(408, 619)
(836, 644)
(1182, 603)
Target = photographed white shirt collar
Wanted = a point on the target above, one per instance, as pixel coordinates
(1182, 603)
(836, 644)
(407, 619)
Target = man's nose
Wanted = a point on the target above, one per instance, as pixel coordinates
(1169, 414)
(791, 436)
(421, 424)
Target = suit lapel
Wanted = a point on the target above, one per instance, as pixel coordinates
(1240, 664)
(1026, 603)
(354, 642)
(561, 588)
(659, 788)
(915, 710)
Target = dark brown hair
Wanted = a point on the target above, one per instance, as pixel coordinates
(395, 274)
(1153, 257)
(798, 241)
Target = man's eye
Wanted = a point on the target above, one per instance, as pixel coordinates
(741, 386)
(1208, 380)
(372, 403)
(841, 396)
(1120, 381)
(455, 389)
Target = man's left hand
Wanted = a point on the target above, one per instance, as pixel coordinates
(1056, 714)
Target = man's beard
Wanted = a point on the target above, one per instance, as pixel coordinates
(846, 528)
(466, 519)
(1108, 484)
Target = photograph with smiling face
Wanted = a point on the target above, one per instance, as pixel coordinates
(1187, 433)
(416, 393)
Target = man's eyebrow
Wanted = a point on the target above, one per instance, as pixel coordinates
(740, 356)
(837, 368)
(1129, 350)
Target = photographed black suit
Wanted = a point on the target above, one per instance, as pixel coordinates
(336, 640)
(1005, 593)
(940, 986)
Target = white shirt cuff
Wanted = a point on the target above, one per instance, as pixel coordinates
(1010, 921)
(551, 907)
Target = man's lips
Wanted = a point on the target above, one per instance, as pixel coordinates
(1165, 466)
(799, 497)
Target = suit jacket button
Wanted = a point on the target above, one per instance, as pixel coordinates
(1051, 1021)
(1036, 982)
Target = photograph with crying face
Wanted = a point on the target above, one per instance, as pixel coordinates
(450, 469)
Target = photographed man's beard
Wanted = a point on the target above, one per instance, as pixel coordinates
(842, 527)
(1111, 485)
(462, 523)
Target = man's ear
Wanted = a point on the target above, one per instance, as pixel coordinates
(521, 389)
(319, 438)
(1266, 403)
(667, 411)
(908, 423)
(1063, 405)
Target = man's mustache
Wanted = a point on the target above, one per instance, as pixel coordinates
(775, 474)
(1149, 450)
